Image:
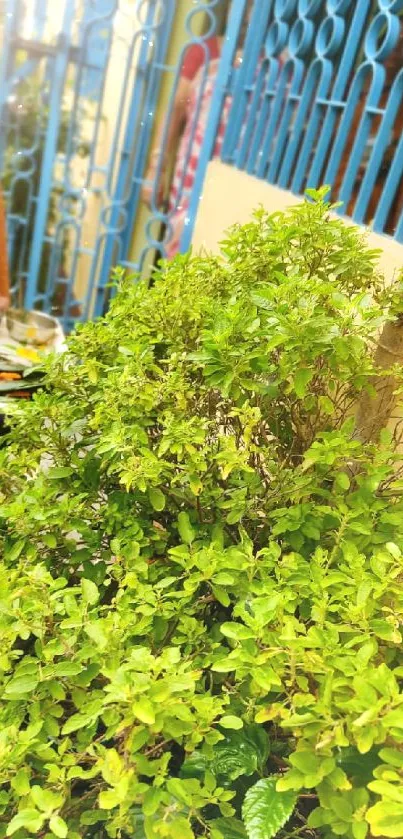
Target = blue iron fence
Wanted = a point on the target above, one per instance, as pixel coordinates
(316, 99)
(309, 92)
(54, 78)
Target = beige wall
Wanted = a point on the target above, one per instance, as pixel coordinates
(230, 196)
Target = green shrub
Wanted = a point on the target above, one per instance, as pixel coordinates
(201, 583)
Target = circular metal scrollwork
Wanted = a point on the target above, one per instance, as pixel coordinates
(330, 36)
(382, 36)
(301, 38)
(276, 38)
(309, 8)
(284, 10)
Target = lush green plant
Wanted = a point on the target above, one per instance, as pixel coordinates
(201, 583)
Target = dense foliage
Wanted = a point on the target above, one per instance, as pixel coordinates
(201, 582)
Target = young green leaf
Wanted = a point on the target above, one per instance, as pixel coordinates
(157, 499)
(301, 381)
(144, 711)
(90, 592)
(266, 811)
(27, 818)
(230, 721)
(227, 829)
(58, 826)
(386, 819)
(185, 528)
(45, 799)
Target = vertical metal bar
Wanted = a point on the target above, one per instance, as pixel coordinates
(163, 37)
(40, 18)
(124, 167)
(246, 73)
(49, 153)
(254, 107)
(285, 126)
(388, 194)
(335, 159)
(224, 72)
(256, 151)
(346, 66)
(380, 145)
(316, 83)
(311, 128)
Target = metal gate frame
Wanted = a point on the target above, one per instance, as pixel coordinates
(291, 123)
(139, 99)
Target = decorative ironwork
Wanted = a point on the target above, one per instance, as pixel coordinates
(317, 99)
(51, 113)
(305, 92)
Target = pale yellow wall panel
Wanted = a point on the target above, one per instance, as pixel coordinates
(230, 196)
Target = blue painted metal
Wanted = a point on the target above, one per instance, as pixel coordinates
(158, 27)
(312, 72)
(310, 104)
(221, 88)
(159, 228)
(70, 69)
(49, 152)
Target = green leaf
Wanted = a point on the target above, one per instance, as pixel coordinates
(75, 722)
(306, 762)
(180, 828)
(95, 630)
(359, 768)
(50, 540)
(15, 550)
(157, 499)
(185, 529)
(29, 818)
(394, 550)
(342, 481)
(58, 826)
(221, 595)
(301, 381)
(237, 631)
(224, 665)
(144, 711)
(392, 756)
(151, 801)
(20, 782)
(266, 811)
(178, 788)
(21, 685)
(56, 472)
(90, 592)
(243, 752)
(195, 484)
(45, 799)
(66, 668)
(230, 721)
(228, 829)
(109, 799)
(386, 819)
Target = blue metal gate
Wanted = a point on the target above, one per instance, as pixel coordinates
(54, 75)
(311, 94)
(316, 99)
